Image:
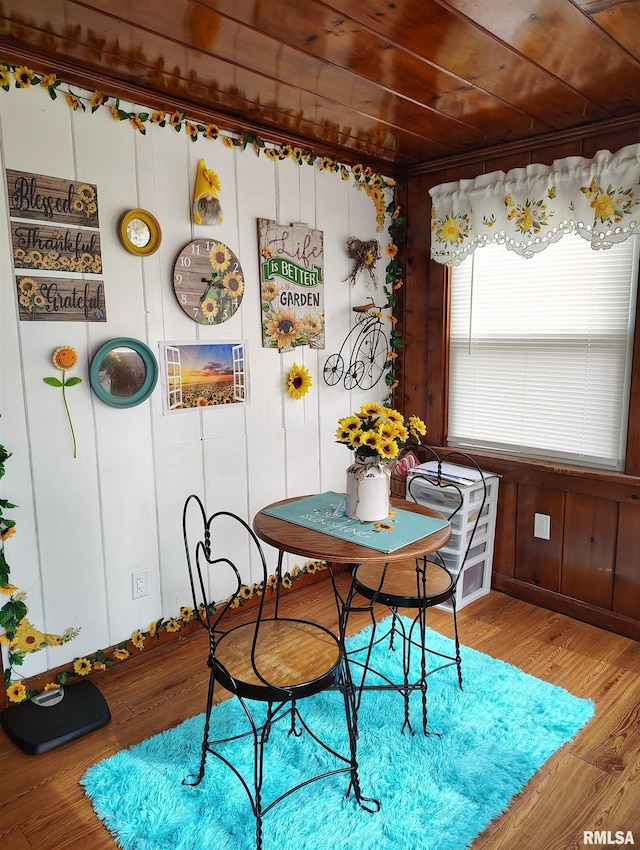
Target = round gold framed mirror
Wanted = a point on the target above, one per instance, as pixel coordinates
(140, 232)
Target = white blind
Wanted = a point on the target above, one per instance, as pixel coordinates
(540, 354)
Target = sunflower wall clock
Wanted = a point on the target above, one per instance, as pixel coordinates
(208, 281)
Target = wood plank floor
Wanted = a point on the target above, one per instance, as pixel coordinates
(593, 783)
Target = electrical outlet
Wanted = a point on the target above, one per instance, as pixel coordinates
(542, 526)
(140, 579)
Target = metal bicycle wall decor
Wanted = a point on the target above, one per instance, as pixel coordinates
(369, 353)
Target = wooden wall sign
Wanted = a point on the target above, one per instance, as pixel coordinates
(36, 196)
(56, 299)
(52, 248)
(291, 285)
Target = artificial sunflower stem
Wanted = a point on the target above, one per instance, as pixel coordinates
(66, 407)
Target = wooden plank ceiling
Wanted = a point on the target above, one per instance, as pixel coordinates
(396, 84)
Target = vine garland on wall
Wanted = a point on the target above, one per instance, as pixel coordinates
(373, 184)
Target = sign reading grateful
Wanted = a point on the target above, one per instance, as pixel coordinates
(291, 285)
(58, 299)
(54, 234)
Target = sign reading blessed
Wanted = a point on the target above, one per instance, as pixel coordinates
(291, 285)
(36, 196)
(57, 299)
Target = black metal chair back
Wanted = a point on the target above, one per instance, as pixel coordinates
(441, 480)
(430, 581)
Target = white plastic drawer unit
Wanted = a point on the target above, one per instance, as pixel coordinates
(475, 580)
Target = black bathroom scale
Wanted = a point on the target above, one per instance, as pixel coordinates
(55, 717)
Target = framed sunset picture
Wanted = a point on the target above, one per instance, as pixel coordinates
(199, 375)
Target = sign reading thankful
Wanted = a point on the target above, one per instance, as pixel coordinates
(60, 299)
(291, 285)
(36, 196)
(41, 246)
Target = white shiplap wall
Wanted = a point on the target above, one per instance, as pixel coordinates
(85, 525)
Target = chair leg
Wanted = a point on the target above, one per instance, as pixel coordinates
(205, 737)
(364, 665)
(294, 729)
(423, 666)
(405, 689)
(457, 641)
(369, 804)
(261, 736)
(394, 627)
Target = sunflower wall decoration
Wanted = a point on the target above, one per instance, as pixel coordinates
(365, 255)
(298, 381)
(208, 281)
(64, 359)
(206, 205)
(291, 285)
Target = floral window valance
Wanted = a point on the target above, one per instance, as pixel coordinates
(527, 209)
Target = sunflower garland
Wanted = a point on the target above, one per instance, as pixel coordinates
(139, 640)
(374, 185)
(23, 78)
(19, 635)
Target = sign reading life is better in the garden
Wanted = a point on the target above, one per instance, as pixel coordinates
(291, 285)
(56, 231)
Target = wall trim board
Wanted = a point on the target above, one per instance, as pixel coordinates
(609, 620)
(91, 80)
(614, 486)
(556, 137)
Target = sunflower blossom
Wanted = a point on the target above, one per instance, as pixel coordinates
(16, 692)
(298, 381)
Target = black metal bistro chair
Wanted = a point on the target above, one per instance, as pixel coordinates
(416, 585)
(274, 660)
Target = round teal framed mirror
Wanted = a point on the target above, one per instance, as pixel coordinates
(124, 372)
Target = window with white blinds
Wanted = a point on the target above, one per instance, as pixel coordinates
(540, 358)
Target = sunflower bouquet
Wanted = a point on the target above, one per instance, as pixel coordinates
(379, 433)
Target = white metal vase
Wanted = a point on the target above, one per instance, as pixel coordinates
(368, 490)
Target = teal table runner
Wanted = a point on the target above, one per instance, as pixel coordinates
(326, 513)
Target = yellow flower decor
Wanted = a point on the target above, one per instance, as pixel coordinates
(379, 433)
(19, 635)
(298, 381)
(365, 255)
(17, 692)
(64, 359)
(206, 206)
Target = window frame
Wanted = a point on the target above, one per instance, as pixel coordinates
(424, 382)
(517, 341)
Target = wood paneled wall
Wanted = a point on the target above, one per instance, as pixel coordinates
(590, 566)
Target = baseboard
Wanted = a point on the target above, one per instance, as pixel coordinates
(609, 620)
(37, 682)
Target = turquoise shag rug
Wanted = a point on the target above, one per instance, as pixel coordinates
(436, 793)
